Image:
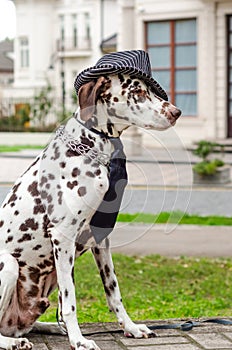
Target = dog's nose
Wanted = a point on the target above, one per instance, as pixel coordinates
(176, 112)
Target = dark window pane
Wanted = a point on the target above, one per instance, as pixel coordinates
(230, 25)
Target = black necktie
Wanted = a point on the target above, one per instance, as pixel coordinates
(103, 221)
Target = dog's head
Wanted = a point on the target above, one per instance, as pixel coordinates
(126, 101)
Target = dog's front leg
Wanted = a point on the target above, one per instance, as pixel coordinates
(105, 265)
(64, 253)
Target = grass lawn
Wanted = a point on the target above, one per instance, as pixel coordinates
(17, 148)
(176, 217)
(154, 287)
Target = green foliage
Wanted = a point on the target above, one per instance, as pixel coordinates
(204, 149)
(42, 104)
(17, 148)
(74, 97)
(176, 217)
(16, 122)
(218, 162)
(206, 166)
(10, 124)
(154, 287)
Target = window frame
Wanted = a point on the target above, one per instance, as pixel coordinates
(173, 68)
(228, 80)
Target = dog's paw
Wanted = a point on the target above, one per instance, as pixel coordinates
(21, 344)
(138, 331)
(86, 344)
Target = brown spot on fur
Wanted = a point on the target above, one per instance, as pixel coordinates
(37, 247)
(25, 237)
(17, 253)
(75, 172)
(43, 181)
(81, 191)
(29, 224)
(62, 165)
(33, 189)
(71, 185)
(9, 239)
(38, 208)
(34, 274)
(33, 292)
(89, 173)
(12, 198)
(107, 270)
(79, 247)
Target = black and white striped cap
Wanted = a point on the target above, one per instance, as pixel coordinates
(134, 62)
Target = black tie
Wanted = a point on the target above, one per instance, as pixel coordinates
(103, 221)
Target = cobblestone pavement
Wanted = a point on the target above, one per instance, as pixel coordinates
(206, 337)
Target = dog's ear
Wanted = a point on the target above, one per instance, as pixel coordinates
(88, 96)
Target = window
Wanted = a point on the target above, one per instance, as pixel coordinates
(24, 52)
(172, 46)
(87, 26)
(229, 74)
(62, 32)
(75, 35)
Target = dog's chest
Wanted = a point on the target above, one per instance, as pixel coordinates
(61, 189)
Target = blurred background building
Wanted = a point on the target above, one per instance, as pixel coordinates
(189, 42)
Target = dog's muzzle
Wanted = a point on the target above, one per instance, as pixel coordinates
(173, 114)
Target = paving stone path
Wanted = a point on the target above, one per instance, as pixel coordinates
(205, 337)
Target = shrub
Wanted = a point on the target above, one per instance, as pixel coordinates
(206, 166)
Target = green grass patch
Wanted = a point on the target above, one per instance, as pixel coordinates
(176, 217)
(154, 287)
(17, 148)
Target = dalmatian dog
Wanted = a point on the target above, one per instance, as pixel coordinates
(44, 220)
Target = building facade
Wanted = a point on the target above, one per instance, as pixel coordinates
(189, 43)
(56, 39)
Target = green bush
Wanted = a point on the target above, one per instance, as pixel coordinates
(206, 166)
(219, 162)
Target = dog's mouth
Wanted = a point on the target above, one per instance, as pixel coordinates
(173, 122)
(156, 127)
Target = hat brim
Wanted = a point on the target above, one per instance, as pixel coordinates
(95, 72)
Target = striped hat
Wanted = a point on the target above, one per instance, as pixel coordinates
(134, 62)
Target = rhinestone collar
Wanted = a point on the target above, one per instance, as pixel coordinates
(81, 148)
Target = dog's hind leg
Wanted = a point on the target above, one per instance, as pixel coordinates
(49, 328)
(105, 265)
(9, 272)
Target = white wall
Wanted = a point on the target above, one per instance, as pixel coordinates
(39, 21)
(35, 20)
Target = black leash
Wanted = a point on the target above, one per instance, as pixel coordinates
(185, 326)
